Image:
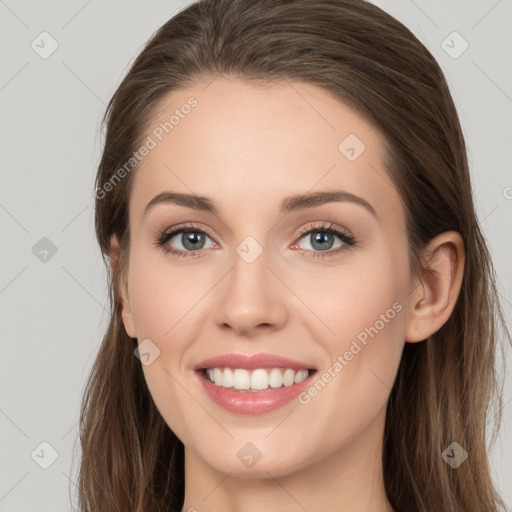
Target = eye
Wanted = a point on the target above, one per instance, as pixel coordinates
(191, 239)
(322, 239)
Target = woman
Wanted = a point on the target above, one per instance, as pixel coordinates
(304, 312)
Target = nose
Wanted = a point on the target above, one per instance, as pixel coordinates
(250, 299)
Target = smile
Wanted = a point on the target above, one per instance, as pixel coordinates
(253, 384)
(255, 380)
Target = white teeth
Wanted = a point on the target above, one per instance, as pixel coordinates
(288, 377)
(241, 379)
(256, 380)
(259, 379)
(275, 378)
(217, 376)
(228, 378)
(301, 375)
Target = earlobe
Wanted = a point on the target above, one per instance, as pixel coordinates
(434, 297)
(122, 287)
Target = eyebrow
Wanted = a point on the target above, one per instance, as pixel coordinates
(289, 204)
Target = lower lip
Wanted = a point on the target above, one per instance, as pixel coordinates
(252, 402)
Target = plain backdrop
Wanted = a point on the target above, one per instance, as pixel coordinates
(60, 63)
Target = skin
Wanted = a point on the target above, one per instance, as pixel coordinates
(247, 148)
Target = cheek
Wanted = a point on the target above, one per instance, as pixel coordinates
(363, 306)
(366, 312)
(162, 301)
(161, 294)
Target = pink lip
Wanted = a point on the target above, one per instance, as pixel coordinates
(251, 402)
(251, 362)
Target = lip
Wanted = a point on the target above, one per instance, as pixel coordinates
(251, 362)
(252, 402)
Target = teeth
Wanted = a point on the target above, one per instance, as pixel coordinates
(228, 378)
(301, 375)
(256, 380)
(241, 379)
(259, 379)
(288, 377)
(275, 378)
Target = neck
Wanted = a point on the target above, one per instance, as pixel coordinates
(350, 479)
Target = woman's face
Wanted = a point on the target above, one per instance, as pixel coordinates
(261, 275)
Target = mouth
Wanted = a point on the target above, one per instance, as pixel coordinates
(253, 384)
(259, 379)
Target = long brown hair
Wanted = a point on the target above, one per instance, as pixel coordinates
(131, 460)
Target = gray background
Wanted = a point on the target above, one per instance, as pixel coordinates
(53, 312)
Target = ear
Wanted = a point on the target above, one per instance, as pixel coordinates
(435, 293)
(120, 281)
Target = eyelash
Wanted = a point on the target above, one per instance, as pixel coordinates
(347, 239)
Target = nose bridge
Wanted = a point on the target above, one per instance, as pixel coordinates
(250, 295)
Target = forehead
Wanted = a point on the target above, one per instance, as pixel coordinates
(249, 146)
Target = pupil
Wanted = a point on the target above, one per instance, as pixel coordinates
(321, 239)
(192, 239)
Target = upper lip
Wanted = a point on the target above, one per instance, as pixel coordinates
(250, 362)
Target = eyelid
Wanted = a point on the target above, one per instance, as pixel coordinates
(188, 227)
(348, 240)
(300, 233)
(323, 226)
